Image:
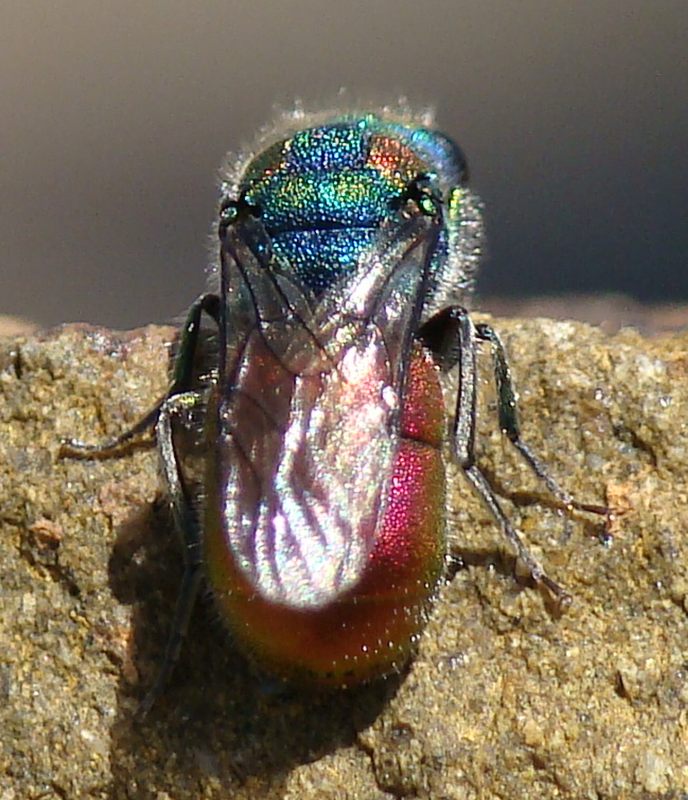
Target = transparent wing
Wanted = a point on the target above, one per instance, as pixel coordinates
(309, 423)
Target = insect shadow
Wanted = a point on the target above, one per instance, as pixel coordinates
(219, 718)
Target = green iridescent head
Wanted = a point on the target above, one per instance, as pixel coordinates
(324, 191)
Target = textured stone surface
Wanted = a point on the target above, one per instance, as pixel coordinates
(15, 326)
(507, 697)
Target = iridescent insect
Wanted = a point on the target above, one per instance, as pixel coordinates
(348, 247)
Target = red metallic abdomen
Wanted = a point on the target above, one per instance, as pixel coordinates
(371, 629)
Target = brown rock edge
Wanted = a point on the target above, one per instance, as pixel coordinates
(507, 698)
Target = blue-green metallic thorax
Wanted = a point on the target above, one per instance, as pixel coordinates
(324, 191)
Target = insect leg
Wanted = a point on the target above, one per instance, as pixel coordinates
(508, 422)
(177, 402)
(188, 526)
(459, 341)
(181, 380)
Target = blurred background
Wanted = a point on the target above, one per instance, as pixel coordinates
(116, 116)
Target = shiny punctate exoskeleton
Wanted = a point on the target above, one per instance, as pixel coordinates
(348, 245)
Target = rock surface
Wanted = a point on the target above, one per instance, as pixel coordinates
(16, 326)
(507, 698)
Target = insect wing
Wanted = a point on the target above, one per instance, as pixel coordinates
(308, 427)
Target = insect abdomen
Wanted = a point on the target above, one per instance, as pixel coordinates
(369, 630)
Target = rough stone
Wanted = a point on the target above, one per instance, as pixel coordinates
(508, 697)
(16, 326)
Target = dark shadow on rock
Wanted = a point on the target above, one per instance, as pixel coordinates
(218, 720)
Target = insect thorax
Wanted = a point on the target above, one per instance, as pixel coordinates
(325, 191)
